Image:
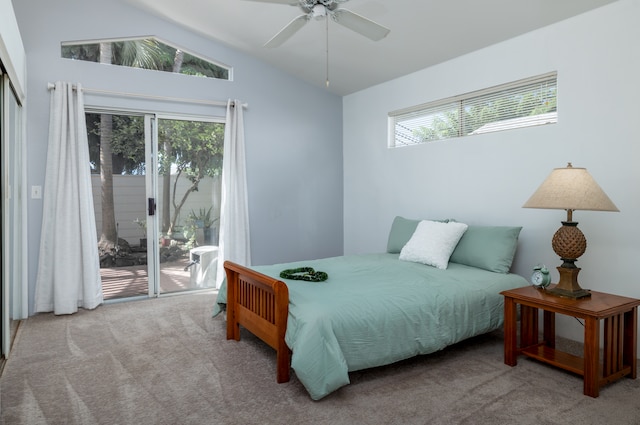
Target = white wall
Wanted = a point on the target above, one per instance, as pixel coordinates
(294, 159)
(12, 54)
(486, 179)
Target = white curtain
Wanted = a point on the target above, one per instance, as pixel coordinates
(234, 244)
(68, 267)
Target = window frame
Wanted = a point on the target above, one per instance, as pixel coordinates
(227, 68)
(458, 103)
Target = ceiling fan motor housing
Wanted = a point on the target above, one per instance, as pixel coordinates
(318, 7)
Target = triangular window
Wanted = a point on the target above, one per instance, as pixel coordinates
(146, 53)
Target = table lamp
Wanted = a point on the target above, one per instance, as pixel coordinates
(570, 189)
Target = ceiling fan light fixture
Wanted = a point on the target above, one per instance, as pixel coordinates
(319, 12)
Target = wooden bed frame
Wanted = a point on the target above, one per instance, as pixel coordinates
(261, 305)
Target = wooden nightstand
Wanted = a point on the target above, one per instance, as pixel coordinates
(620, 316)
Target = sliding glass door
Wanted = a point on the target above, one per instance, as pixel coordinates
(118, 173)
(156, 186)
(188, 174)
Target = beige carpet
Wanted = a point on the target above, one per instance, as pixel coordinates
(166, 361)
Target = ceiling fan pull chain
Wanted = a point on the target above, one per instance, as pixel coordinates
(327, 19)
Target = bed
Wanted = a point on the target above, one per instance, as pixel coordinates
(374, 309)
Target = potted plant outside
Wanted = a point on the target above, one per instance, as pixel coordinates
(142, 224)
(203, 220)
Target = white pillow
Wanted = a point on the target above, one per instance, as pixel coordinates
(433, 242)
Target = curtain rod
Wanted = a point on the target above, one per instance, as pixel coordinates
(51, 86)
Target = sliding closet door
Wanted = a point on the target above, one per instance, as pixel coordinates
(14, 294)
(4, 289)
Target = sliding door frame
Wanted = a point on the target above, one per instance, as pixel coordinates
(153, 182)
(14, 289)
(152, 185)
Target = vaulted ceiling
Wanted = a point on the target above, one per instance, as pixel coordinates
(423, 33)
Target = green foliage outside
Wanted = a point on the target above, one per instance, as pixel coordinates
(474, 116)
(127, 144)
(147, 53)
(186, 149)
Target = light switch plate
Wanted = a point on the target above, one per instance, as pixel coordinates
(36, 192)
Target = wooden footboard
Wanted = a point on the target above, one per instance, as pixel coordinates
(260, 304)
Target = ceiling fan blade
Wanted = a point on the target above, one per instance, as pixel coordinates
(286, 32)
(360, 24)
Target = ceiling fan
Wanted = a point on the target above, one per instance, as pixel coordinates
(320, 9)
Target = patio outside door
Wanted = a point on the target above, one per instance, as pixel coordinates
(157, 202)
(188, 180)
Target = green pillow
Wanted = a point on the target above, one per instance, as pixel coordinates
(401, 231)
(487, 247)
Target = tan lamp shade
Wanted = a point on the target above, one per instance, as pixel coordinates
(570, 188)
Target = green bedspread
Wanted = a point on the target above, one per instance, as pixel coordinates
(375, 310)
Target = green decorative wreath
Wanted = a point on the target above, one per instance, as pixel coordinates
(304, 273)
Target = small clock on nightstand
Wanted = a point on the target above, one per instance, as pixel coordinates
(540, 277)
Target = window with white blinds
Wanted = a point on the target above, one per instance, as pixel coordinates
(518, 104)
